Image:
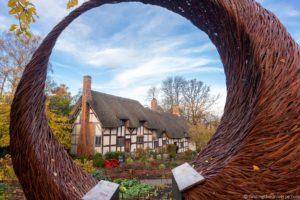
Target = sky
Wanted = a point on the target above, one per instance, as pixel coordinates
(126, 48)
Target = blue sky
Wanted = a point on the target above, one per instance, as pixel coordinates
(128, 47)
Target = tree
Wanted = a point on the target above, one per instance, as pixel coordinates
(60, 100)
(172, 91)
(15, 53)
(4, 124)
(61, 128)
(201, 134)
(152, 93)
(196, 100)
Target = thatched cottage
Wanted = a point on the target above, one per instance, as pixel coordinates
(105, 123)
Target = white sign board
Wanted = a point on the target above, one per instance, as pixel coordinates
(186, 176)
(104, 190)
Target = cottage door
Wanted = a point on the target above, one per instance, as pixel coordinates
(127, 145)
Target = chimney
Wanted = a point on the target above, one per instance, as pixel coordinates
(154, 105)
(86, 139)
(175, 110)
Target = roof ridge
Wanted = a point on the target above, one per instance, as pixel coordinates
(116, 97)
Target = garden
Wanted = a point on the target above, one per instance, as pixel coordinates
(142, 174)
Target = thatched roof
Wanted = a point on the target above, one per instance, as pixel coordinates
(112, 111)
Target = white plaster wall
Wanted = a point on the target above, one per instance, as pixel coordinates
(105, 150)
(133, 138)
(105, 140)
(78, 118)
(113, 140)
(160, 142)
(133, 147)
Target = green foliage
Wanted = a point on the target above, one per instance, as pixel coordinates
(201, 134)
(60, 100)
(171, 150)
(100, 175)
(60, 104)
(113, 155)
(134, 188)
(3, 188)
(98, 160)
(4, 124)
(129, 160)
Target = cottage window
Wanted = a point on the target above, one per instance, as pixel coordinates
(156, 144)
(181, 144)
(164, 142)
(120, 141)
(140, 139)
(98, 141)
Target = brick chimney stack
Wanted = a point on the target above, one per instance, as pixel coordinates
(154, 104)
(175, 110)
(86, 139)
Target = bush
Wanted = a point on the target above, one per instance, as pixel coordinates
(133, 189)
(161, 167)
(171, 150)
(188, 155)
(98, 160)
(86, 165)
(200, 135)
(3, 188)
(129, 160)
(140, 153)
(100, 175)
(112, 155)
(6, 169)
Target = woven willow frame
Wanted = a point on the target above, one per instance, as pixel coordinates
(260, 125)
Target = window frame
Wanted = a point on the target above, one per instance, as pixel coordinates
(98, 141)
(118, 141)
(141, 138)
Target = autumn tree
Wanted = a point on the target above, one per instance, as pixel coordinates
(60, 100)
(58, 110)
(4, 124)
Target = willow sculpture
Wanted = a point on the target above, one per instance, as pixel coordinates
(260, 125)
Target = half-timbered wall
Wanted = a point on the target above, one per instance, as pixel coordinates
(123, 138)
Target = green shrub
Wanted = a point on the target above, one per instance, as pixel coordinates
(129, 160)
(3, 188)
(132, 189)
(81, 158)
(112, 155)
(98, 160)
(100, 175)
(171, 150)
